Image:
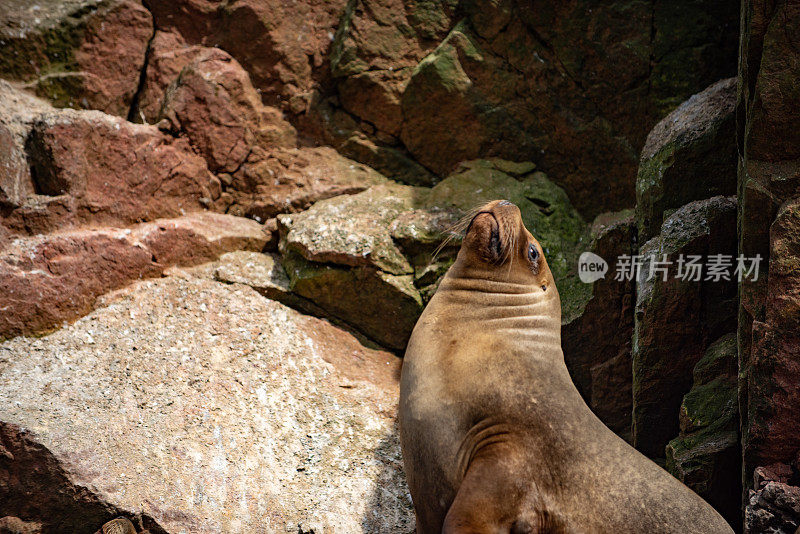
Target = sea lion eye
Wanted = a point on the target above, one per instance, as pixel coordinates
(533, 254)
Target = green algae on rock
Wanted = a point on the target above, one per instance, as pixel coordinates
(676, 318)
(689, 155)
(706, 456)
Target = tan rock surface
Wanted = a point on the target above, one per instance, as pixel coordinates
(208, 408)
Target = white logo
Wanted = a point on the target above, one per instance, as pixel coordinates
(591, 267)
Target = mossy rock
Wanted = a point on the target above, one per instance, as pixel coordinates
(689, 155)
(380, 249)
(382, 306)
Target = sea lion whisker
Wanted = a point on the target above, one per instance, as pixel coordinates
(455, 230)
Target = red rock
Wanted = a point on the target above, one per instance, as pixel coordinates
(112, 56)
(677, 319)
(90, 167)
(79, 54)
(219, 110)
(290, 180)
(46, 280)
(600, 363)
(168, 55)
(284, 60)
(769, 225)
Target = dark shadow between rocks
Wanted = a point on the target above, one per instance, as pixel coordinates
(35, 488)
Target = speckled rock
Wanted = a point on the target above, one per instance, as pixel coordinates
(340, 254)
(677, 318)
(201, 407)
(689, 155)
(706, 456)
(84, 54)
(49, 279)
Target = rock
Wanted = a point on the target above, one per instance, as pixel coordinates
(473, 79)
(706, 456)
(167, 56)
(291, 180)
(91, 167)
(285, 60)
(215, 105)
(677, 318)
(80, 53)
(47, 280)
(182, 400)
(774, 506)
(769, 203)
(689, 155)
(340, 255)
(390, 161)
(597, 342)
(377, 46)
(382, 242)
(15, 525)
(18, 112)
(264, 273)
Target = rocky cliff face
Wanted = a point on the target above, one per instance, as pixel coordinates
(219, 222)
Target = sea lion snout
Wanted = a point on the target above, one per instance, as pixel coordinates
(497, 236)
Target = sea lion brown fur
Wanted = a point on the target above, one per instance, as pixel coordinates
(495, 437)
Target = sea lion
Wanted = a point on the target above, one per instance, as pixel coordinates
(494, 434)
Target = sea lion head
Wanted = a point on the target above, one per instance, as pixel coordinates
(498, 247)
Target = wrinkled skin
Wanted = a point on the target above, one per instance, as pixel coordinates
(495, 437)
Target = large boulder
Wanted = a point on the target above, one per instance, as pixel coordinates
(678, 317)
(370, 256)
(89, 167)
(378, 44)
(216, 106)
(459, 80)
(286, 60)
(689, 155)
(597, 340)
(79, 53)
(706, 456)
(49, 279)
(769, 206)
(340, 255)
(193, 406)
